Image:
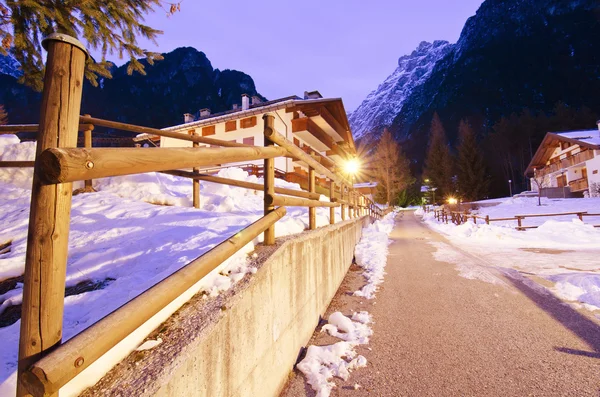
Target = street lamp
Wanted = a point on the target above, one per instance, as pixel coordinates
(433, 189)
(510, 186)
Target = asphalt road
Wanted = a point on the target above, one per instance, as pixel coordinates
(439, 334)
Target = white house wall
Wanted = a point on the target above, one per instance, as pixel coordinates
(593, 168)
(283, 125)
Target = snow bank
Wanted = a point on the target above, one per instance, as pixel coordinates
(561, 249)
(119, 234)
(11, 149)
(371, 254)
(323, 363)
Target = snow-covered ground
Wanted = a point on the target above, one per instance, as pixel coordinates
(323, 363)
(134, 232)
(562, 250)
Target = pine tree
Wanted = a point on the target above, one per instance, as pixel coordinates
(110, 26)
(392, 170)
(473, 183)
(3, 116)
(438, 162)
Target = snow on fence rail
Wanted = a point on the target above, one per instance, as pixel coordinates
(460, 217)
(44, 364)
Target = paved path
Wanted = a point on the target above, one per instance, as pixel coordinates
(438, 334)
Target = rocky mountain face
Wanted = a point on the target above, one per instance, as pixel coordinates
(382, 105)
(183, 82)
(511, 55)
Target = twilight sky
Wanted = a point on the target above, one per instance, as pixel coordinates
(343, 48)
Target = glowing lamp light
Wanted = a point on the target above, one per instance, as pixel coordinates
(452, 200)
(352, 166)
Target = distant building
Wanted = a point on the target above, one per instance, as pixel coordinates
(570, 161)
(313, 123)
(367, 189)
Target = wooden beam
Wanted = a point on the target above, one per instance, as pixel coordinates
(55, 370)
(49, 217)
(269, 178)
(154, 131)
(296, 152)
(242, 184)
(69, 165)
(312, 211)
(297, 202)
(17, 164)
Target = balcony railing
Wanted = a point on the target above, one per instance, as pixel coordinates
(567, 162)
(578, 185)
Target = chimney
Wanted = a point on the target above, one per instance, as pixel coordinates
(188, 117)
(312, 95)
(204, 112)
(255, 100)
(598, 123)
(245, 102)
(235, 106)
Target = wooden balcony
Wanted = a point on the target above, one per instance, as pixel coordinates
(567, 162)
(578, 185)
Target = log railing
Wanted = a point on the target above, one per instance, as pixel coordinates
(45, 365)
(459, 217)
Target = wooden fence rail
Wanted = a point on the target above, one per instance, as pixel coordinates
(53, 371)
(459, 217)
(44, 364)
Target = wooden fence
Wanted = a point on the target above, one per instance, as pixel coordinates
(459, 217)
(45, 365)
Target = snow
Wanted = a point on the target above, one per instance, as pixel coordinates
(149, 344)
(383, 104)
(591, 137)
(323, 363)
(134, 232)
(562, 249)
(371, 254)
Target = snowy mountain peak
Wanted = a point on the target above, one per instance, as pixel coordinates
(9, 66)
(383, 104)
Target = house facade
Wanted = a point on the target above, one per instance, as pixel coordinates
(569, 161)
(313, 123)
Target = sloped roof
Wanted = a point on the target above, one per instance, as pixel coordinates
(589, 139)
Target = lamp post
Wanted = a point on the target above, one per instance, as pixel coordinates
(510, 186)
(433, 189)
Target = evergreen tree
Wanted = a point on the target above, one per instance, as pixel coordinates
(110, 26)
(3, 116)
(473, 182)
(392, 170)
(438, 161)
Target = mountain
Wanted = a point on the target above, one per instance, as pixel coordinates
(183, 82)
(511, 55)
(9, 66)
(382, 105)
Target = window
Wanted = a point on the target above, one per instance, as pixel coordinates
(248, 122)
(249, 141)
(208, 130)
(230, 125)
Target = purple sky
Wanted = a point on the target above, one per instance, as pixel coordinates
(343, 48)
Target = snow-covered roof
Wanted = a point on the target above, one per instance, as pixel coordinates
(365, 184)
(591, 137)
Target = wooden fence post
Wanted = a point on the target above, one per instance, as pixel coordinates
(312, 211)
(487, 219)
(342, 195)
(269, 177)
(196, 182)
(87, 143)
(331, 196)
(48, 235)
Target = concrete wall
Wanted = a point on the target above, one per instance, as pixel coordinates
(246, 341)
